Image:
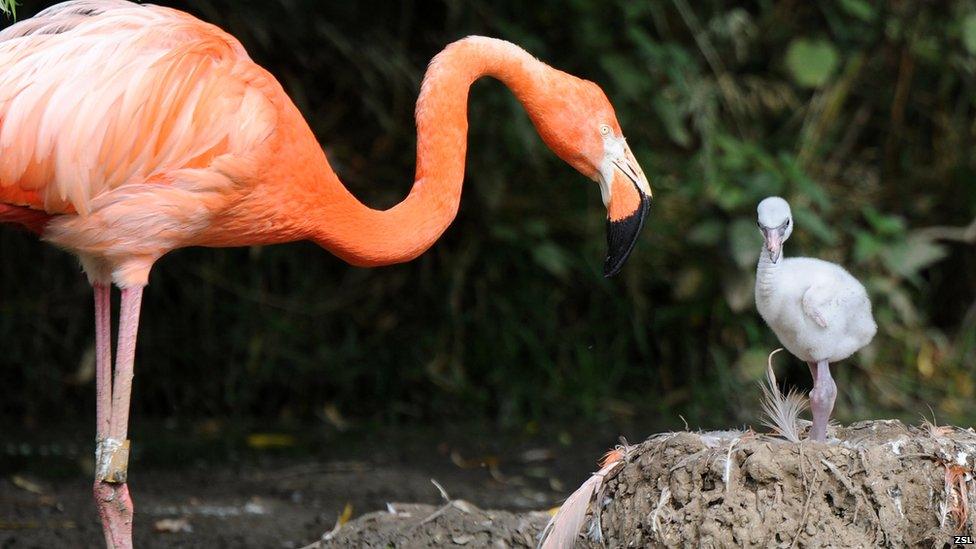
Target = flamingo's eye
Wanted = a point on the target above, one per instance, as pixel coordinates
(604, 129)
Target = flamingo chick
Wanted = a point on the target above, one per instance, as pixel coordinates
(128, 131)
(819, 312)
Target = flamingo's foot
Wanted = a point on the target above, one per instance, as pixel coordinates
(112, 493)
(115, 509)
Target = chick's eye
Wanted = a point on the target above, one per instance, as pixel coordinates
(604, 129)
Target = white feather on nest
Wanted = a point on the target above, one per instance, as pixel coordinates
(781, 412)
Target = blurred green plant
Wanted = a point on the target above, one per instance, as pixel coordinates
(9, 7)
(861, 115)
(811, 62)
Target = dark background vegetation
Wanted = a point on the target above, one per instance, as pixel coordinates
(862, 116)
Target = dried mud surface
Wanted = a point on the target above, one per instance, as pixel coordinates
(457, 523)
(876, 484)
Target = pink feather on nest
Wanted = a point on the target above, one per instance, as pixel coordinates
(565, 526)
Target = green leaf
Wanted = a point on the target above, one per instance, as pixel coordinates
(793, 171)
(729, 195)
(927, 48)
(812, 223)
(969, 33)
(751, 365)
(674, 122)
(707, 233)
(536, 227)
(866, 246)
(859, 8)
(811, 62)
(552, 259)
(735, 153)
(687, 283)
(896, 298)
(764, 183)
(887, 225)
(739, 290)
(745, 243)
(9, 7)
(630, 79)
(505, 233)
(911, 256)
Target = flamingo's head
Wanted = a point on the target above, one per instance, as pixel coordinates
(577, 121)
(776, 225)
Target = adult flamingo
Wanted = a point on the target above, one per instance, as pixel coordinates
(128, 131)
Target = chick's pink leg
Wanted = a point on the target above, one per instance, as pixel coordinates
(821, 399)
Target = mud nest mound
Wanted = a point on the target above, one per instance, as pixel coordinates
(874, 484)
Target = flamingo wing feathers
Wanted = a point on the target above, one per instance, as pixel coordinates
(96, 94)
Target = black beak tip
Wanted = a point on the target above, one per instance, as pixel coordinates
(622, 237)
(614, 264)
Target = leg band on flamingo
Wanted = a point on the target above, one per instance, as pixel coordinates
(111, 460)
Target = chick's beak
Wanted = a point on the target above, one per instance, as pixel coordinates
(627, 207)
(773, 243)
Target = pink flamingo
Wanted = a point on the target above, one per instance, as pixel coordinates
(128, 131)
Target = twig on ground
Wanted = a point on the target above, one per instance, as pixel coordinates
(840, 476)
(727, 472)
(806, 508)
(655, 516)
(441, 489)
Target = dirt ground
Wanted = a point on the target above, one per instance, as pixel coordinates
(290, 490)
(291, 507)
(875, 484)
(455, 523)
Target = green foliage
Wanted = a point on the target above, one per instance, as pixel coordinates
(9, 7)
(969, 33)
(860, 114)
(811, 62)
(861, 9)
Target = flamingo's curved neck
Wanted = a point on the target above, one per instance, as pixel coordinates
(767, 274)
(368, 237)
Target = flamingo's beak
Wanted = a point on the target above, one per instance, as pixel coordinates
(629, 200)
(773, 239)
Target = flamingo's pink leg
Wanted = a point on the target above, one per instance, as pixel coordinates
(103, 359)
(103, 384)
(111, 492)
(125, 357)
